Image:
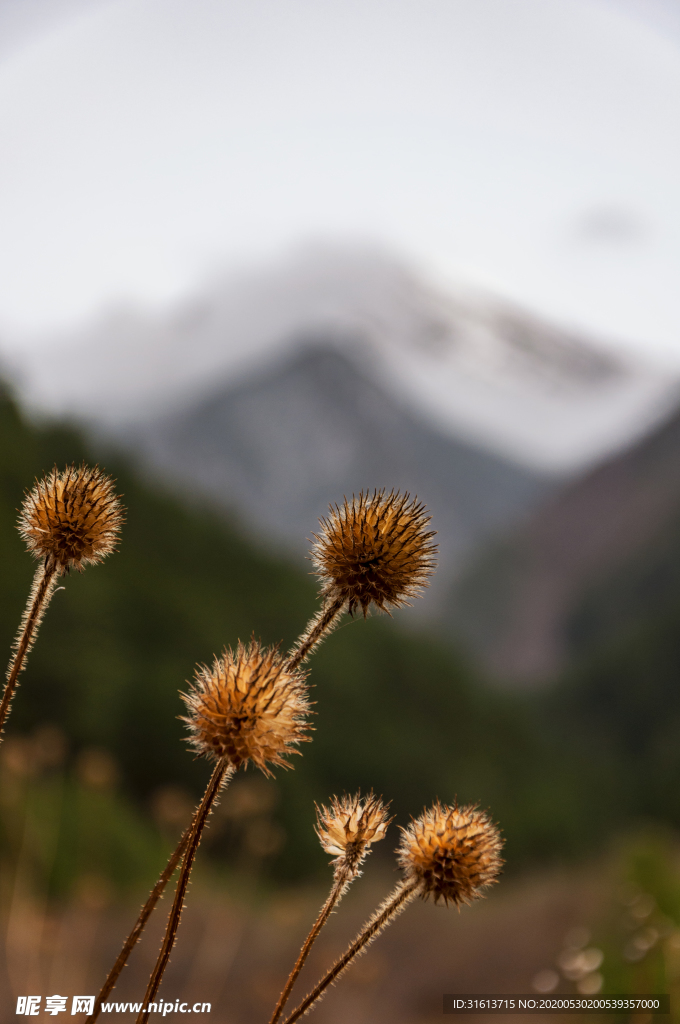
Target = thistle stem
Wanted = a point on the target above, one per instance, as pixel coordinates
(222, 773)
(323, 622)
(340, 885)
(397, 901)
(140, 924)
(42, 589)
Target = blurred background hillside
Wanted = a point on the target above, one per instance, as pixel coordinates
(254, 261)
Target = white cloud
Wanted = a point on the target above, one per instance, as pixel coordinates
(149, 139)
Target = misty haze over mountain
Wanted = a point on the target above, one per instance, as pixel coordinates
(470, 366)
(277, 392)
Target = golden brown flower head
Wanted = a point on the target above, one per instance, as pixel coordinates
(350, 825)
(454, 852)
(376, 549)
(73, 517)
(248, 707)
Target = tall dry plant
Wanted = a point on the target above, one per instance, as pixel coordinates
(347, 829)
(374, 550)
(248, 707)
(448, 853)
(69, 520)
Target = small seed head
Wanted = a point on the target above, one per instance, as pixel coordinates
(73, 517)
(350, 825)
(454, 852)
(375, 549)
(248, 707)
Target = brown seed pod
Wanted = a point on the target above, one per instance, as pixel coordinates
(248, 707)
(350, 825)
(73, 517)
(375, 549)
(454, 852)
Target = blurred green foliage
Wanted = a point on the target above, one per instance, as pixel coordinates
(66, 836)
(620, 700)
(625, 940)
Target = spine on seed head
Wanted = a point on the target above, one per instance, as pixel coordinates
(248, 706)
(349, 826)
(454, 853)
(376, 549)
(72, 518)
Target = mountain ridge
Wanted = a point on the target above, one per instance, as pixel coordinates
(474, 366)
(523, 605)
(278, 446)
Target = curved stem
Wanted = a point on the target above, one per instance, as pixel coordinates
(41, 591)
(393, 905)
(323, 622)
(338, 890)
(223, 771)
(140, 924)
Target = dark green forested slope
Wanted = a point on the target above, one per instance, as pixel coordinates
(121, 638)
(622, 694)
(395, 711)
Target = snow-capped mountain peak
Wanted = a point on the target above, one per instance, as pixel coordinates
(471, 365)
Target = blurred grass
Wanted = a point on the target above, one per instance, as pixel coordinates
(610, 925)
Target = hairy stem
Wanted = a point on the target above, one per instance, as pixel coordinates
(42, 589)
(140, 924)
(397, 901)
(222, 773)
(321, 624)
(339, 888)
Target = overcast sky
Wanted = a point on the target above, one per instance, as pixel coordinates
(528, 146)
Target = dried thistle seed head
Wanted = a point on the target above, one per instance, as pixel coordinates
(454, 852)
(248, 707)
(73, 517)
(375, 549)
(350, 825)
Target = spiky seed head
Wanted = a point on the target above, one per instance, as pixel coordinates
(72, 517)
(248, 707)
(375, 549)
(350, 825)
(454, 852)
